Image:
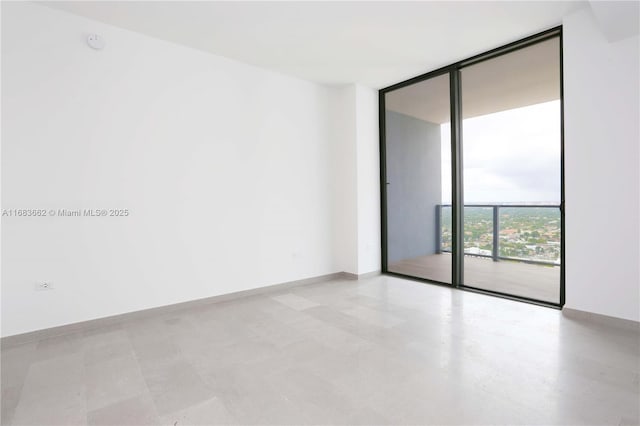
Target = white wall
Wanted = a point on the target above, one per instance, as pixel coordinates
(601, 169)
(357, 185)
(368, 167)
(227, 171)
(344, 180)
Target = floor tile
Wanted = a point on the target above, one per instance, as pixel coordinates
(106, 346)
(176, 386)
(295, 302)
(135, 411)
(112, 381)
(53, 393)
(209, 412)
(10, 398)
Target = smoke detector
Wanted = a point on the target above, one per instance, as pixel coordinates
(95, 41)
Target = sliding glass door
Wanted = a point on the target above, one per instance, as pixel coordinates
(471, 159)
(418, 180)
(511, 162)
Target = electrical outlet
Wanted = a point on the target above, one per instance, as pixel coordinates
(45, 285)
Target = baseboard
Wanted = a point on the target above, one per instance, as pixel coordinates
(369, 275)
(601, 319)
(350, 276)
(19, 339)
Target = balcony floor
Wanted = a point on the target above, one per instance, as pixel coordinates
(540, 282)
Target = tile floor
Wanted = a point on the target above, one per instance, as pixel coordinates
(376, 351)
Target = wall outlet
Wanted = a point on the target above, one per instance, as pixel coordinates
(45, 285)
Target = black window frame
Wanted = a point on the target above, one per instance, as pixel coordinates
(457, 205)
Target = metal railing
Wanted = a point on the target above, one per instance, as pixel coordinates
(495, 247)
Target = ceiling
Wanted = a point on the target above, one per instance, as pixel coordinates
(372, 43)
(617, 19)
(521, 78)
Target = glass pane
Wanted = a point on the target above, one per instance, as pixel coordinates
(511, 165)
(418, 162)
(531, 233)
(447, 232)
(478, 231)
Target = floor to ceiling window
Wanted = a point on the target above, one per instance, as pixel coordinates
(471, 158)
(416, 186)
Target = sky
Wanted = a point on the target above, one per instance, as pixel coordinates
(509, 156)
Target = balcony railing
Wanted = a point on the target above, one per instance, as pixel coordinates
(550, 224)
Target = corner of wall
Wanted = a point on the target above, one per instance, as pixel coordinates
(357, 177)
(602, 159)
